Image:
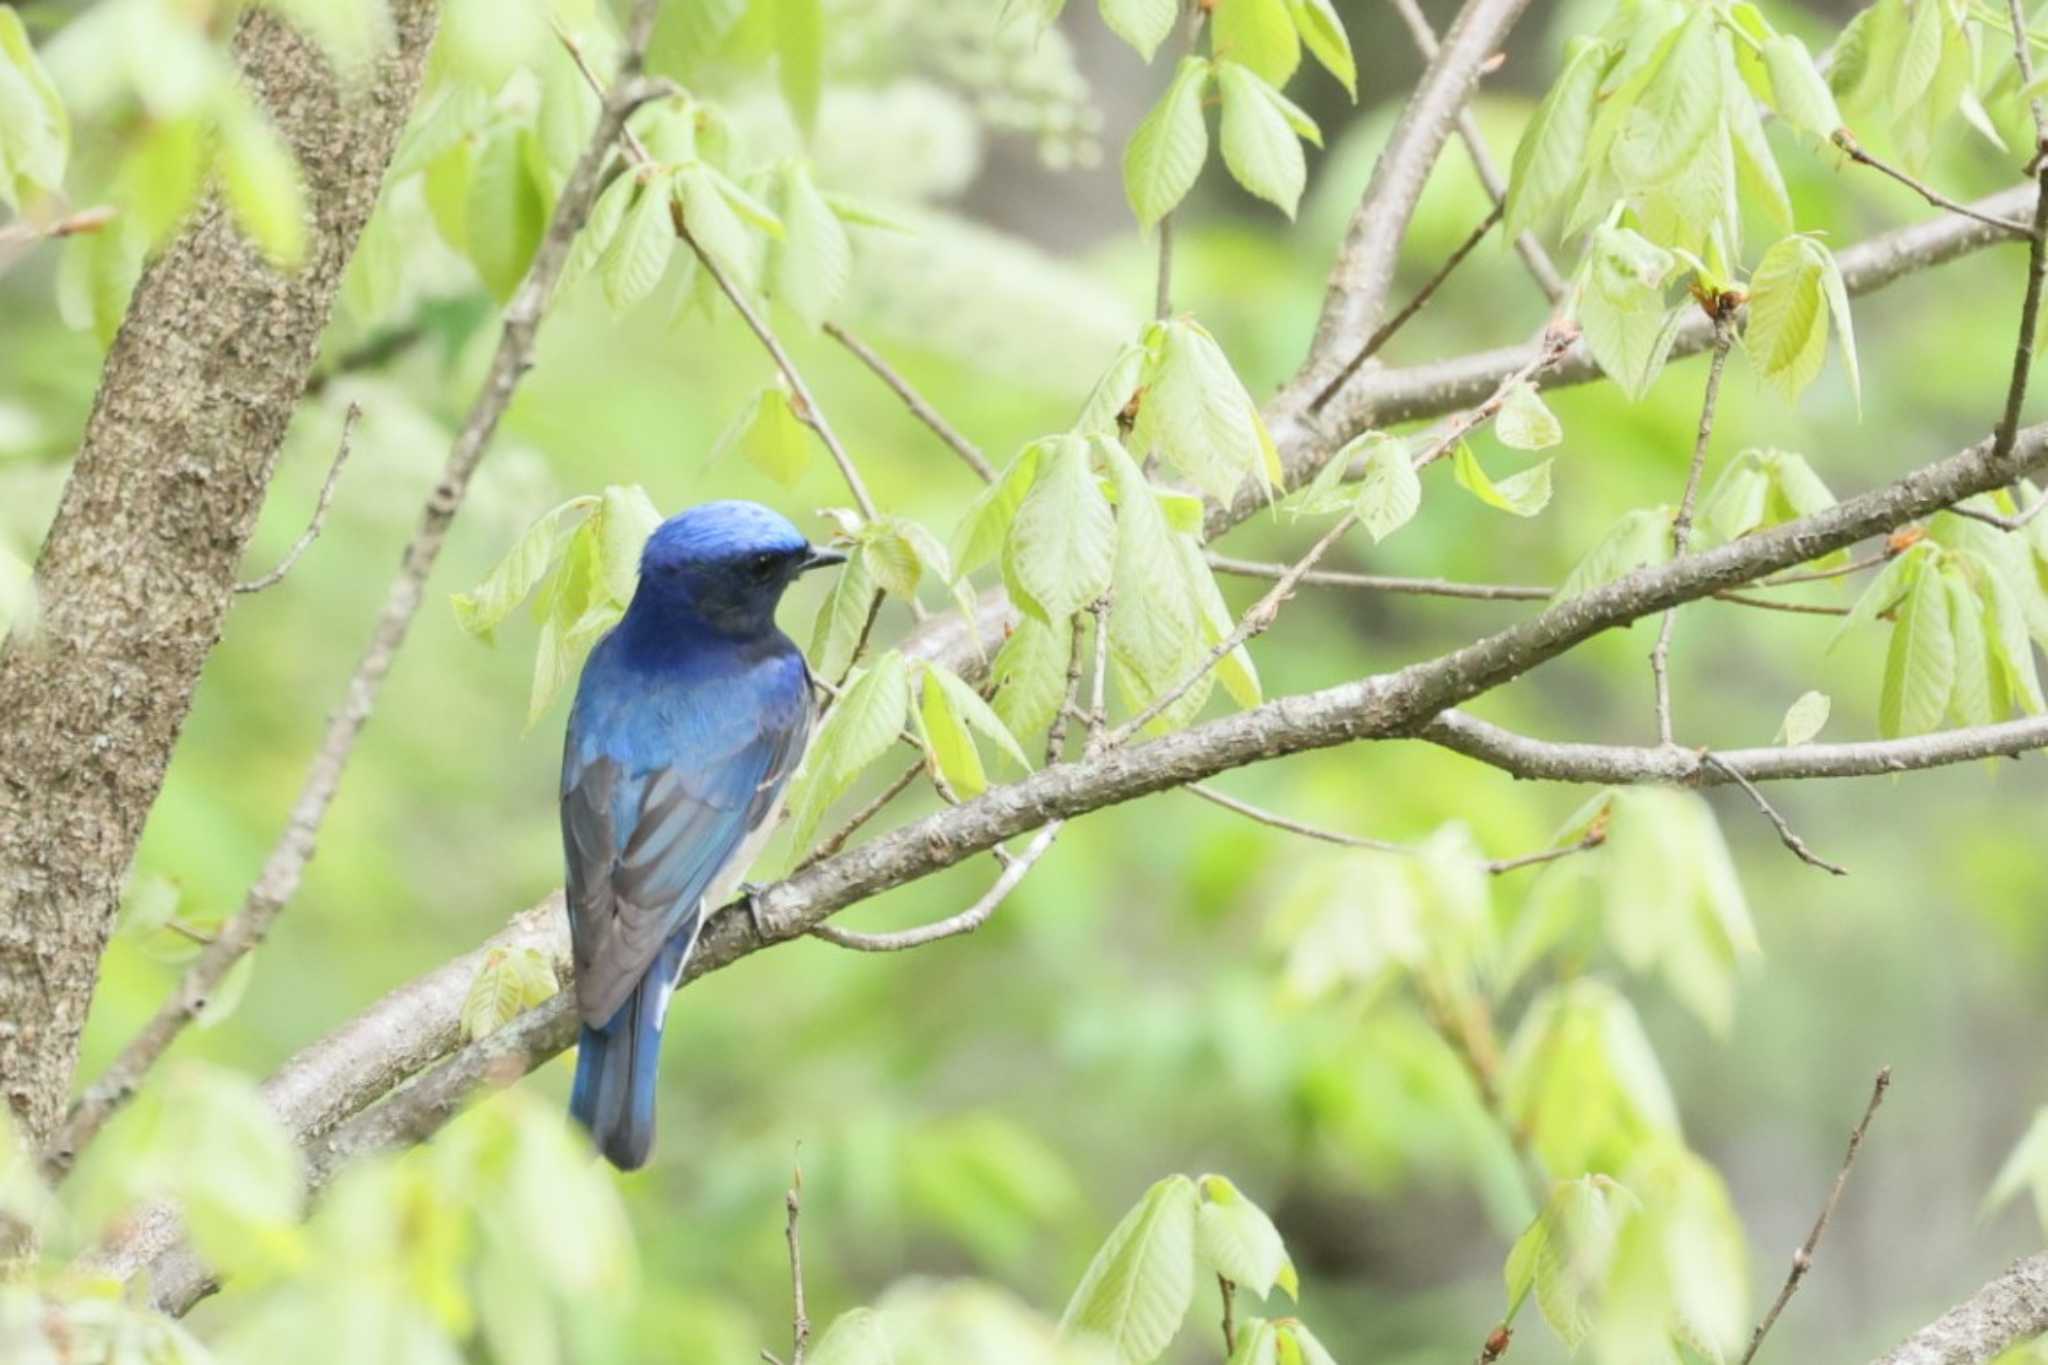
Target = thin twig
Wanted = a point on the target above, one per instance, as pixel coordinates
(1802, 1259)
(919, 406)
(1541, 267)
(1098, 689)
(799, 1317)
(1415, 305)
(1741, 599)
(1423, 587)
(1229, 1292)
(1056, 733)
(1681, 526)
(1818, 575)
(966, 922)
(313, 527)
(1162, 290)
(284, 869)
(1785, 833)
(838, 838)
(1558, 338)
(1492, 866)
(1853, 149)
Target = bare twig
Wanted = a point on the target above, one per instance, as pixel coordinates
(286, 865)
(1056, 733)
(1742, 599)
(1854, 566)
(1785, 832)
(1162, 291)
(1098, 689)
(966, 922)
(1493, 866)
(799, 1316)
(1422, 587)
(1802, 1259)
(1681, 525)
(919, 407)
(2006, 1312)
(1853, 149)
(313, 527)
(1229, 1292)
(1526, 244)
(1415, 305)
(837, 840)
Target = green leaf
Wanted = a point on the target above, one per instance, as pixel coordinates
(506, 212)
(1799, 93)
(1167, 150)
(1525, 423)
(1886, 590)
(813, 260)
(510, 982)
(1920, 669)
(1621, 311)
(640, 250)
(1322, 33)
(1976, 676)
(1838, 310)
(624, 522)
(1524, 494)
(1788, 330)
(858, 1337)
(1156, 626)
(2005, 627)
(2026, 1169)
(976, 712)
(1551, 157)
(1919, 57)
(1235, 1238)
(1259, 145)
(799, 35)
(769, 434)
(217, 1008)
(1062, 543)
(947, 739)
(1640, 539)
(479, 610)
(1197, 414)
(860, 727)
(35, 130)
(1030, 673)
(714, 224)
(1137, 1290)
(1389, 492)
(1144, 24)
(1564, 1256)
(842, 619)
(260, 178)
(1756, 166)
(1235, 670)
(1803, 719)
(1259, 34)
(1679, 108)
(979, 537)
(1581, 1078)
(1113, 392)
(1307, 1350)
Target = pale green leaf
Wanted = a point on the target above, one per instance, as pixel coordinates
(1322, 33)
(1551, 157)
(1138, 1288)
(861, 726)
(640, 250)
(1143, 24)
(842, 619)
(1259, 34)
(505, 212)
(1524, 494)
(1235, 1239)
(1677, 110)
(1062, 542)
(1167, 150)
(976, 713)
(1886, 590)
(1525, 423)
(858, 1337)
(1640, 539)
(1804, 718)
(813, 260)
(1976, 679)
(261, 181)
(947, 739)
(1197, 414)
(1920, 668)
(1259, 145)
(1030, 673)
(979, 537)
(1787, 332)
(1389, 491)
(1799, 93)
(1563, 1257)
(480, 609)
(624, 522)
(768, 433)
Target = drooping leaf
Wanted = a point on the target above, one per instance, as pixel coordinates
(480, 609)
(1137, 1290)
(1389, 493)
(1259, 145)
(1551, 157)
(1030, 673)
(1525, 423)
(1524, 494)
(1788, 317)
(1143, 24)
(1920, 667)
(1322, 33)
(1804, 718)
(768, 433)
(1168, 148)
(1235, 1239)
(1259, 34)
(1197, 414)
(979, 537)
(1062, 542)
(505, 211)
(813, 260)
(1640, 539)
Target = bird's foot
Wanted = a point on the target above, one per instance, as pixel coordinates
(750, 892)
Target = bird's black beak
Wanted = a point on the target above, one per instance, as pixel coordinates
(820, 558)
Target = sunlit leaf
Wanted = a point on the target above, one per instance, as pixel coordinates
(1167, 150)
(1137, 1290)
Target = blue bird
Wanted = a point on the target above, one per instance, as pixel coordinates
(690, 717)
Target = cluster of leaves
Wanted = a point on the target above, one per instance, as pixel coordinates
(1650, 142)
(1635, 1248)
(1909, 68)
(1134, 1298)
(1966, 603)
(498, 1236)
(1255, 47)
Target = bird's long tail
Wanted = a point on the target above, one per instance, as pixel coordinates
(617, 1065)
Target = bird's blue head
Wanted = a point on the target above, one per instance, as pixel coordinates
(723, 565)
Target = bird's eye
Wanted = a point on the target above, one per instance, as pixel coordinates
(763, 565)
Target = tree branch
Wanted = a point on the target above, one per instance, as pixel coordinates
(919, 407)
(286, 865)
(1723, 309)
(2011, 1309)
(320, 504)
(966, 922)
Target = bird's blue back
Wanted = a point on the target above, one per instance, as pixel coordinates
(688, 721)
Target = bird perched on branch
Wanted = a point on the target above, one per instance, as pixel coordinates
(689, 719)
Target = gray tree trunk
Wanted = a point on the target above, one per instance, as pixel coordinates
(139, 566)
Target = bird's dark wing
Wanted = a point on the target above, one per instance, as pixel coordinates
(645, 847)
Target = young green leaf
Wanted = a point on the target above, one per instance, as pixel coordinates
(1235, 1238)
(1920, 668)
(1525, 423)
(1168, 148)
(842, 620)
(1564, 1256)
(1143, 24)
(860, 727)
(505, 211)
(2025, 1169)
(1803, 719)
(641, 247)
(624, 521)
(1137, 1290)
(1799, 93)
(1976, 674)
(976, 713)
(1259, 34)
(857, 1337)
(1640, 539)
(813, 260)
(1030, 674)
(479, 610)
(1389, 492)
(1197, 414)
(979, 537)
(1259, 145)
(1524, 494)
(1679, 108)
(769, 435)
(947, 739)
(260, 178)
(1550, 159)
(1062, 543)
(1621, 308)
(1322, 33)
(1788, 317)
(510, 982)
(35, 130)
(2005, 627)
(1156, 627)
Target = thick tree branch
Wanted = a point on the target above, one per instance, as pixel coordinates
(1620, 764)
(286, 865)
(2011, 1309)
(139, 566)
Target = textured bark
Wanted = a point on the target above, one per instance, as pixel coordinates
(139, 566)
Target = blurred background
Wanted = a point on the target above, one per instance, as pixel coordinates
(989, 1106)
